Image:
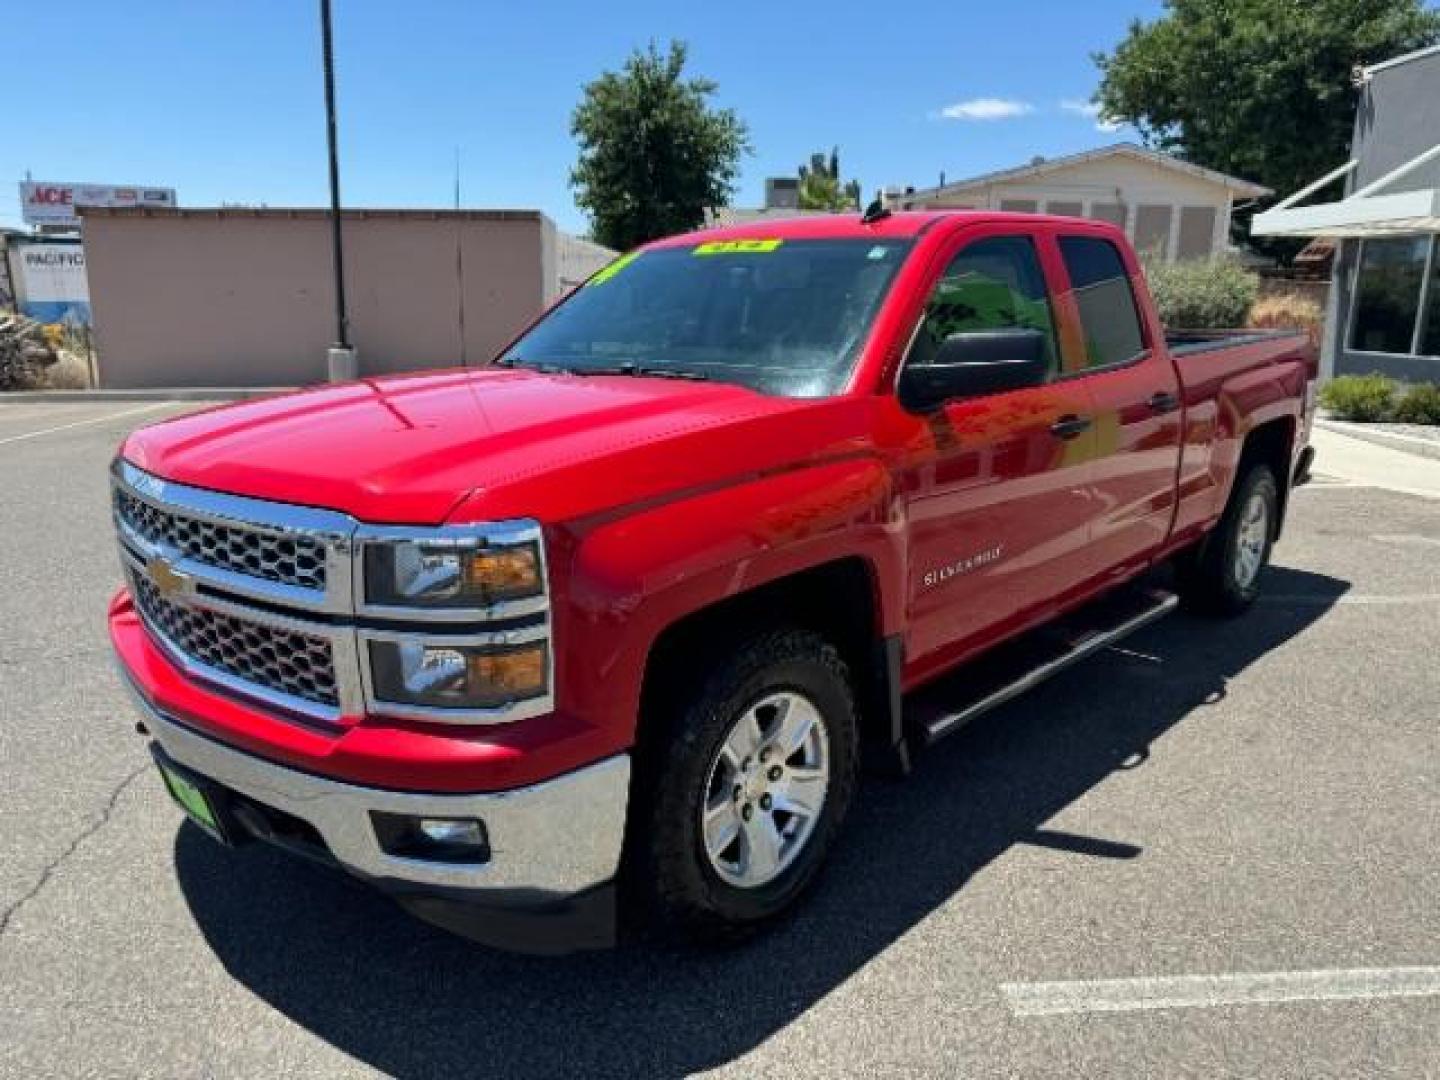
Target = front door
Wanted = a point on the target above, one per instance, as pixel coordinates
(997, 488)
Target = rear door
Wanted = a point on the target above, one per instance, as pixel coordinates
(997, 487)
(1135, 395)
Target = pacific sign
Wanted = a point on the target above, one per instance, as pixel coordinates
(54, 203)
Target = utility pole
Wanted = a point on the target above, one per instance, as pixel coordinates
(342, 363)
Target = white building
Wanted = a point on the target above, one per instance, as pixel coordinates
(1166, 206)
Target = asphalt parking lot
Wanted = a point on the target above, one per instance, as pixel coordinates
(1214, 852)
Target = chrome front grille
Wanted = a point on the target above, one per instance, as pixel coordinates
(290, 559)
(285, 661)
(263, 600)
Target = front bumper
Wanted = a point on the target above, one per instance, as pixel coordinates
(554, 846)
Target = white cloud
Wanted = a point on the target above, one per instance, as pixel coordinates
(1090, 111)
(986, 108)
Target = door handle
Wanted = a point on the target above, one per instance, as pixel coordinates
(1070, 425)
(1163, 401)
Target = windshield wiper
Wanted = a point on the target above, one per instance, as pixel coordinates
(657, 371)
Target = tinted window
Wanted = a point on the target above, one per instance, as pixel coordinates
(1430, 336)
(1388, 293)
(992, 284)
(782, 317)
(1108, 315)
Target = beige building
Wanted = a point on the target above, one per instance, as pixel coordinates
(239, 297)
(1166, 206)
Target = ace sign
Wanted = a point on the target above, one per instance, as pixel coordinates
(53, 204)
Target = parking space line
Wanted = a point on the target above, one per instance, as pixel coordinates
(1328, 601)
(84, 423)
(1211, 991)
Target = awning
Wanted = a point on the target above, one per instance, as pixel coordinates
(1363, 213)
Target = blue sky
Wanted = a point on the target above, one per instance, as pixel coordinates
(222, 99)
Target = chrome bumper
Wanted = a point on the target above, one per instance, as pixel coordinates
(553, 839)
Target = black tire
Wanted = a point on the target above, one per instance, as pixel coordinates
(1212, 578)
(680, 890)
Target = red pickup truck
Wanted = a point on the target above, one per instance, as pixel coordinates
(607, 627)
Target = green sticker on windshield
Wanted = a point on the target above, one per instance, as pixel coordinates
(614, 268)
(737, 247)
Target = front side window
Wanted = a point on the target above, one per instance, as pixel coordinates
(993, 284)
(1109, 316)
(785, 317)
(1387, 294)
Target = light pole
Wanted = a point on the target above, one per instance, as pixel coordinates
(341, 361)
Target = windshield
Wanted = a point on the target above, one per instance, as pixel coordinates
(781, 317)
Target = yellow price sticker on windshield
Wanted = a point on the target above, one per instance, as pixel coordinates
(737, 247)
(614, 268)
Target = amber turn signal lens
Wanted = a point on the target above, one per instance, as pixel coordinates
(512, 570)
(518, 671)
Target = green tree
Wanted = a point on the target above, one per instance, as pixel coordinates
(821, 188)
(1261, 89)
(654, 156)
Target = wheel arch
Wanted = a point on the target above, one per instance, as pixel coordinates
(839, 599)
(1271, 443)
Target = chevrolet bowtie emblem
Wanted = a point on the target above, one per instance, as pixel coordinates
(168, 581)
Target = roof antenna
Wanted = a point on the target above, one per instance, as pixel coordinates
(876, 211)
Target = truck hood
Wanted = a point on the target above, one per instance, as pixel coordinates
(506, 443)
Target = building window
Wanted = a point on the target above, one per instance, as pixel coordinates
(1108, 313)
(1197, 232)
(1113, 212)
(1152, 231)
(1430, 332)
(1387, 294)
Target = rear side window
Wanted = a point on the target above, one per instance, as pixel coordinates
(1109, 316)
(993, 284)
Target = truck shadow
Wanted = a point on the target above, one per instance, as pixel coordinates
(415, 1002)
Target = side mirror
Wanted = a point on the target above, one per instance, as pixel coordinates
(975, 363)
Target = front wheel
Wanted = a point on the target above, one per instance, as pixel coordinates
(746, 787)
(1222, 577)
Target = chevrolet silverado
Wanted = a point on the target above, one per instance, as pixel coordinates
(602, 632)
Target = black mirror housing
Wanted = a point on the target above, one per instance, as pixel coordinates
(973, 364)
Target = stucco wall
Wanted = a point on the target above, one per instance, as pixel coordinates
(577, 259)
(1398, 118)
(236, 298)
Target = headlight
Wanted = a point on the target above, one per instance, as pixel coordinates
(451, 572)
(434, 674)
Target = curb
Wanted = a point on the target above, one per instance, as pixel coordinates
(1393, 440)
(174, 393)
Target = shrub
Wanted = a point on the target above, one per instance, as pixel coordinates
(1285, 311)
(1367, 398)
(70, 372)
(1420, 405)
(1199, 294)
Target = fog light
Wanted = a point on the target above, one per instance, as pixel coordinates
(452, 840)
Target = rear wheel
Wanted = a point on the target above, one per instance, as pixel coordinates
(1223, 575)
(746, 788)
